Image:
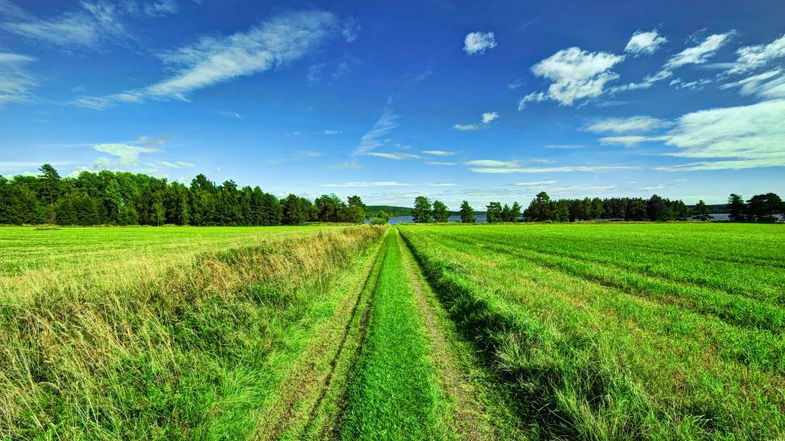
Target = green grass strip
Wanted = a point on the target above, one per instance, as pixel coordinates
(395, 393)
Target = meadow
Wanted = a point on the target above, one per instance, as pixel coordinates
(624, 331)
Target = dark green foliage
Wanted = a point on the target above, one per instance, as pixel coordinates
(467, 213)
(737, 210)
(422, 210)
(656, 208)
(494, 212)
(122, 198)
(440, 212)
(701, 212)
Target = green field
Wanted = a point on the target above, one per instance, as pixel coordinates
(420, 332)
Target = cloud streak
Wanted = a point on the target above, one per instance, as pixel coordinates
(214, 60)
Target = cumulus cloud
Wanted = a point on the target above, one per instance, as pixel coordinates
(487, 119)
(213, 60)
(753, 57)
(478, 42)
(624, 125)
(645, 42)
(126, 154)
(574, 74)
(15, 80)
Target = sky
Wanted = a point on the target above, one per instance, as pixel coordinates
(483, 101)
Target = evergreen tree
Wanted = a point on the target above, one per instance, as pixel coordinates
(702, 212)
(493, 212)
(737, 208)
(467, 213)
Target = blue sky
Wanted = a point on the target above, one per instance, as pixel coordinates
(388, 100)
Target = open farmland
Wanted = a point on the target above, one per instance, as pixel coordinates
(442, 332)
(630, 331)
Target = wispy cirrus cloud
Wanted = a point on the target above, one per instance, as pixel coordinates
(378, 135)
(535, 183)
(388, 184)
(698, 54)
(15, 80)
(640, 123)
(493, 163)
(437, 152)
(393, 155)
(278, 41)
(89, 26)
(563, 169)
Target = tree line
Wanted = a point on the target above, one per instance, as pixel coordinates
(760, 208)
(123, 198)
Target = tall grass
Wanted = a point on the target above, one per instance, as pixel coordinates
(589, 360)
(167, 357)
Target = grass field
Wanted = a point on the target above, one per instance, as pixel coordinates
(437, 332)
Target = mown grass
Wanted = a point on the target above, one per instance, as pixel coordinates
(613, 332)
(395, 393)
(188, 351)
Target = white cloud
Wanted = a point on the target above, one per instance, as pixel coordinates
(393, 155)
(628, 140)
(377, 136)
(213, 60)
(389, 184)
(693, 55)
(564, 146)
(126, 154)
(15, 81)
(87, 27)
(701, 53)
(440, 163)
(437, 153)
(489, 117)
(493, 163)
(332, 132)
(574, 74)
(753, 57)
(174, 164)
(624, 125)
(731, 137)
(535, 183)
(234, 115)
(645, 42)
(768, 85)
(565, 169)
(478, 42)
(368, 184)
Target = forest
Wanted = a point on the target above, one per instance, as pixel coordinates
(122, 198)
